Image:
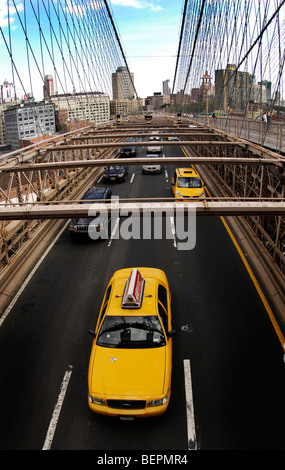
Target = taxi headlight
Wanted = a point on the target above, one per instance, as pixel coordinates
(202, 194)
(160, 401)
(96, 400)
(178, 193)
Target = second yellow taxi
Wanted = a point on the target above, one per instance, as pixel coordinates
(186, 183)
(131, 358)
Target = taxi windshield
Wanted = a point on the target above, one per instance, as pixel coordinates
(131, 332)
(189, 182)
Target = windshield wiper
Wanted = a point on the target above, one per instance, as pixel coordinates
(146, 327)
(121, 325)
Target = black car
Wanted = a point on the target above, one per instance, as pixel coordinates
(115, 173)
(95, 227)
(129, 150)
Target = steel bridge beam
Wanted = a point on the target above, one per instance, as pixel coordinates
(186, 143)
(205, 207)
(280, 162)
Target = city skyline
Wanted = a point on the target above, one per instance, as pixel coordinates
(148, 30)
(141, 25)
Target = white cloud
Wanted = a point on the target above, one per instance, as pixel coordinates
(74, 8)
(96, 4)
(136, 4)
(12, 12)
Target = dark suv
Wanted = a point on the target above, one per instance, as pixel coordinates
(129, 150)
(115, 173)
(83, 226)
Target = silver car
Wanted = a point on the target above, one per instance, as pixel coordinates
(154, 148)
(152, 167)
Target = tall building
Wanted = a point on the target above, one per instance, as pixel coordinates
(3, 108)
(258, 94)
(124, 107)
(26, 122)
(87, 107)
(166, 87)
(6, 92)
(231, 89)
(268, 86)
(123, 84)
(48, 88)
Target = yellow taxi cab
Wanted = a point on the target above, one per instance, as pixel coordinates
(130, 364)
(186, 183)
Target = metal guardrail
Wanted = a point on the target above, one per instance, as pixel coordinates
(270, 135)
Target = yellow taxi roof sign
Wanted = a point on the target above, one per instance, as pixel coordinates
(132, 297)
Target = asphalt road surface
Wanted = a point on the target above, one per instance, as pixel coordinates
(236, 388)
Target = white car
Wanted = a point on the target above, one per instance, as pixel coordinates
(154, 148)
(152, 167)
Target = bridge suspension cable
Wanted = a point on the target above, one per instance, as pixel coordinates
(75, 42)
(247, 34)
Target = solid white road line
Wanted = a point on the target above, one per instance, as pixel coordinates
(114, 231)
(172, 225)
(132, 177)
(57, 409)
(191, 430)
(27, 280)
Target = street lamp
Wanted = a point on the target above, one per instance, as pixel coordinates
(206, 85)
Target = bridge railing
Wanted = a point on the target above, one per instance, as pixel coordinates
(268, 134)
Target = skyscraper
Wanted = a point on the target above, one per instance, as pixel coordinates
(231, 88)
(123, 84)
(48, 88)
(166, 87)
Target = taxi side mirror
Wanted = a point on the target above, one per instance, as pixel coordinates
(92, 333)
(171, 333)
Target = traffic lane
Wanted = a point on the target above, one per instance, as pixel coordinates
(147, 433)
(211, 341)
(139, 185)
(82, 429)
(236, 357)
(216, 364)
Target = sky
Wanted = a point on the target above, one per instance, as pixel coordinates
(149, 32)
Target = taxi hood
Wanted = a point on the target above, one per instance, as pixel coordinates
(190, 192)
(128, 372)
